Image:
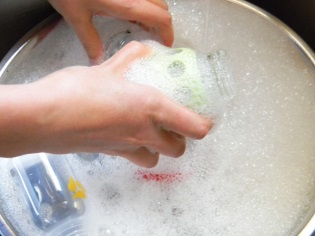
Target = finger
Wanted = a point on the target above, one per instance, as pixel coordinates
(166, 34)
(160, 3)
(128, 54)
(155, 16)
(89, 37)
(144, 27)
(142, 157)
(168, 143)
(174, 117)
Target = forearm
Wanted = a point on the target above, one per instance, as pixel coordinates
(21, 119)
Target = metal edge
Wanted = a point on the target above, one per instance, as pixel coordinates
(14, 51)
(309, 228)
(301, 44)
(8, 58)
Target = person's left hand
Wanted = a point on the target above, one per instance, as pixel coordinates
(79, 13)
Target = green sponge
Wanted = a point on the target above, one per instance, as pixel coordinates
(198, 81)
(181, 68)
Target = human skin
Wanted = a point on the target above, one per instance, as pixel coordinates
(94, 109)
(150, 14)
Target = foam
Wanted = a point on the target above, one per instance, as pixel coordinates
(252, 175)
(201, 82)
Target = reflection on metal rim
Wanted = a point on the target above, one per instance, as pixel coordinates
(292, 35)
(309, 229)
(8, 58)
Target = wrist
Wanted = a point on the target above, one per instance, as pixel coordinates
(22, 119)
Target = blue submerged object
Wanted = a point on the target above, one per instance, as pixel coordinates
(50, 190)
(4, 230)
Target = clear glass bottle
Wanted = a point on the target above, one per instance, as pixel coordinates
(200, 81)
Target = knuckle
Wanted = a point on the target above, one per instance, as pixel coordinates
(135, 45)
(152, 102)
(137, 49)
(129, 4)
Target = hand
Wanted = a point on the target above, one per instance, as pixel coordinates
(79, 13)
(94, 109)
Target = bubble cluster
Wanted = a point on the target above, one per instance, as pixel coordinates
(253, 174)
(201, 82)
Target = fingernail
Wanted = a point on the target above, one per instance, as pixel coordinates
(153, 152)
(95, 62)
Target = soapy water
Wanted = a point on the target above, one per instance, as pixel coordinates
(201, 82)
(51, 190)
(252, 175)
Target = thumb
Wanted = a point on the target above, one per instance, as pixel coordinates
(127, 55)
(89, 37)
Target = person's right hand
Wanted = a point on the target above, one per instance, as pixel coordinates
(148, 13)
(94, 109)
